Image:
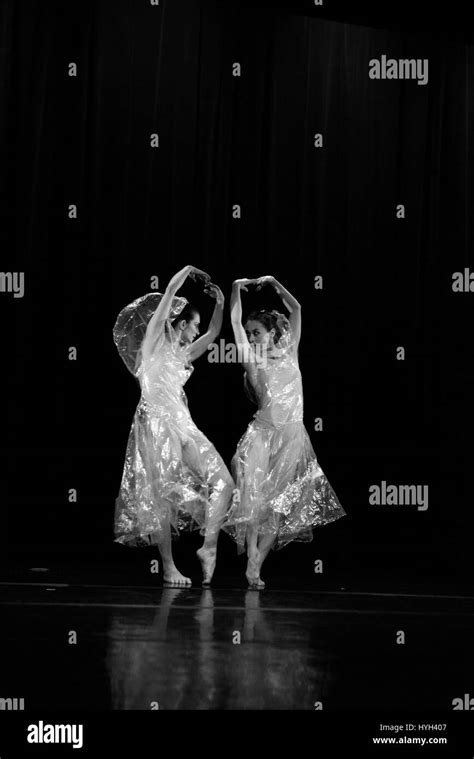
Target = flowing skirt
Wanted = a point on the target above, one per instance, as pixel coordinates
(282, 490)
(173, 478)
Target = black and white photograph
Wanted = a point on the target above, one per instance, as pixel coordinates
(237, 293)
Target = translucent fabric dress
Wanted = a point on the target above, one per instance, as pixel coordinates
(172, 472)
(282, 489)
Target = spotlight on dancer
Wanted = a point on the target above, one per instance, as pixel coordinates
(173, 477)
(284, 493)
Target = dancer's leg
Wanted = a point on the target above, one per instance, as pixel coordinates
(171, 575)
(253, 559)
(265, 543)
(162, 537)
(222, 487)
(255, 465)
(252, 541)
(199, 455)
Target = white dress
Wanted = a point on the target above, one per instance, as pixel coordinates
(283, 490)
(172, 472)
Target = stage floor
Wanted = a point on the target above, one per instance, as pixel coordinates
(102, 646)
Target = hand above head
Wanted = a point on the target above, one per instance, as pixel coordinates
(267, 280)
(196, 274)
(243, 282)
(214, 292)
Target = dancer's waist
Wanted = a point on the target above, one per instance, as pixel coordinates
(272, 422)
(166, 408)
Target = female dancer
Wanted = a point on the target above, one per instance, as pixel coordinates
(173, 477)
(284, 493)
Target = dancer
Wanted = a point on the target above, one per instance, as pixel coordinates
(173, 477)
(284, 493)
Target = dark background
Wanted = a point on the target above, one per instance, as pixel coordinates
(145, 212)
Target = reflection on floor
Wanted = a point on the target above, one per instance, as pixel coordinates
(110, 647)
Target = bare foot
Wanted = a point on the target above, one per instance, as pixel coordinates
(253, 572)
(207, 557)
(174, 579)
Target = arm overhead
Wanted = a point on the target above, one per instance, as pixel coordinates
(241, 340)
(155, 325)
(289, 301)
(201, 345)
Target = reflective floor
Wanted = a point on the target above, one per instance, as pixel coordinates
(110, 647)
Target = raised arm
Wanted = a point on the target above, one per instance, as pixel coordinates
(197, 348)
(289, 301)
(241, 340)
(155, 325)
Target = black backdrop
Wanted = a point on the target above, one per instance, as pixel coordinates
(305, 212)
